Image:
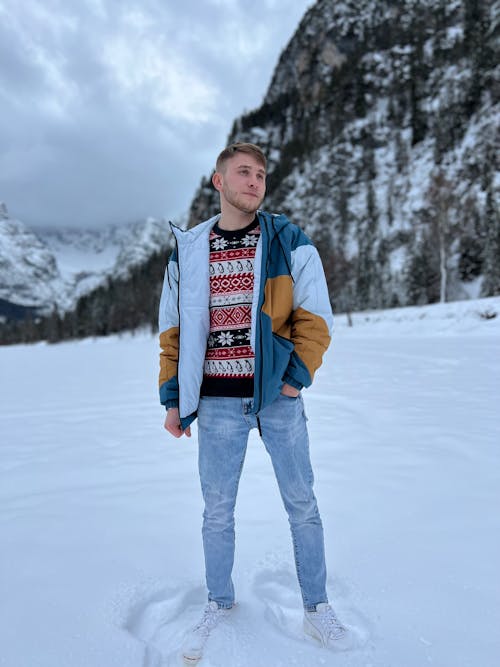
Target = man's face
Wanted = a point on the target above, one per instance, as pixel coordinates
(242, 182)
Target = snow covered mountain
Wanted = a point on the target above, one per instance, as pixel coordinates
(381, 127)
(54, 267)
(29, 276)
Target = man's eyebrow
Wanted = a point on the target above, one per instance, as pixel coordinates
(249, 166)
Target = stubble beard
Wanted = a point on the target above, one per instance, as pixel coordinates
(240, 203)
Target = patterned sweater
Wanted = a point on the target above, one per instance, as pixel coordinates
(229, 361)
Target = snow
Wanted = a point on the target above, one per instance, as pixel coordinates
(100, 510)
(74, 257)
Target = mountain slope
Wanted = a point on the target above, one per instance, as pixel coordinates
(54, 268)
(29, 276)
(381, 124)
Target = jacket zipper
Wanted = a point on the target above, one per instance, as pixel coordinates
(276, 233)
(262, 286)
(179, 312)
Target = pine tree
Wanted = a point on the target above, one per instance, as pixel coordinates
(491, 283)
(421, 273)
(477, 47)
(470, 262)
(418, 74)
(438, 217)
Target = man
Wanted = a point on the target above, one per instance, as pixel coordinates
(244, 321)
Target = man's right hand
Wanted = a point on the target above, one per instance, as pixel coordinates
(173, 424)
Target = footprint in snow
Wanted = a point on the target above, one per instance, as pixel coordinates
(277, 589)
(162, 621)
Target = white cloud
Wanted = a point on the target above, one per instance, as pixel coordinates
(86, 84)
(144, 69)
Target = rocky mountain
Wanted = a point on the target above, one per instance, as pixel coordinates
(54, 268)
(29, 277)
(381, 126)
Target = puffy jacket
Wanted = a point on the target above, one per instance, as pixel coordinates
(291, 314)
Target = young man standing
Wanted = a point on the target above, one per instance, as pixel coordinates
(244, 321)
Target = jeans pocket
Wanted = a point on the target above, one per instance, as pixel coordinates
(296, 399)
(290, 398)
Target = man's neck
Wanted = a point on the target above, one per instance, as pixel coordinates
(233, 220)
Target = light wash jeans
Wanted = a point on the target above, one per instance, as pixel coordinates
(223, 428)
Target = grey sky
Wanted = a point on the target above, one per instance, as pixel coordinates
(111, 111)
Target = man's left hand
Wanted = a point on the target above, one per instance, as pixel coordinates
(288, 390)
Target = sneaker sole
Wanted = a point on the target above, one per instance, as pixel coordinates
(341, 646)
(315, 637)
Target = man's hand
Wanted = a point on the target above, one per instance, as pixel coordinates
(288, 390)
(173, 424)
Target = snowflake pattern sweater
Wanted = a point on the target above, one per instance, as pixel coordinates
(229, 362)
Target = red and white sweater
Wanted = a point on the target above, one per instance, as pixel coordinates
(229, 361)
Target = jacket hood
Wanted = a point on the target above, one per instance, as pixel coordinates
(273, 223)
(193, 234)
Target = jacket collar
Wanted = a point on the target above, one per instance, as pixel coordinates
(272, 223)
(192, 235)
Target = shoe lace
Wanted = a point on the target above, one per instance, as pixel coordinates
(211, 617)
(331, 624)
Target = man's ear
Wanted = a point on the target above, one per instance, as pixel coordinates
(217, 181)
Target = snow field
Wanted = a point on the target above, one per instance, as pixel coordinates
(101, 563)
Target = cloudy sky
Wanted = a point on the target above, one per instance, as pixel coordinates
(112, 110)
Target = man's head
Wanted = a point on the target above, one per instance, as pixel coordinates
(240, 177)
(240, 148)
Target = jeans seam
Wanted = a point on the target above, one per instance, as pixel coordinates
(298, 567)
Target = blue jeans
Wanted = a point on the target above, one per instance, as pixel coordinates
(223, 428)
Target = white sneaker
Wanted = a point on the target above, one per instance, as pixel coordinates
(192, 648)
(324, 625)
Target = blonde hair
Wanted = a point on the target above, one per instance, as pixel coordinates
(240, 147)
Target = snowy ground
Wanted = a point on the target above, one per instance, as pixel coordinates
(101, 562)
